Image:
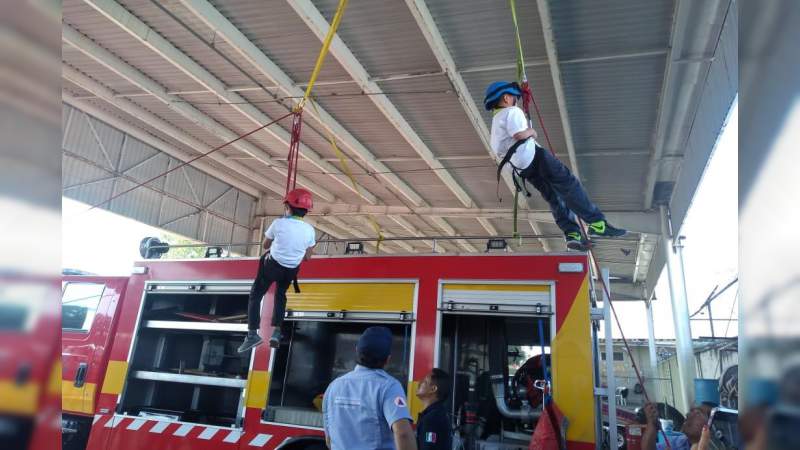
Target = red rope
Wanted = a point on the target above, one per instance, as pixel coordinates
(527, 100)
(294, 150)
(526, 91)
(188, 162)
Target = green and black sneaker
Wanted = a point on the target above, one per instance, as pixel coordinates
(603, 228)
(576, 242)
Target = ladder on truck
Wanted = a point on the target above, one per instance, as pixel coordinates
(598, 314)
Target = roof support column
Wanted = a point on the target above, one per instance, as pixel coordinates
(680, 311)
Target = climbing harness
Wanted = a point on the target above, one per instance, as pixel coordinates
(516, 172)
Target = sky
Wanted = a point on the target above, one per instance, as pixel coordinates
(99, 241)
(711, 250)
(105, 243)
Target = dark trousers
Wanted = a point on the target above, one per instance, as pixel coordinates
(269, 271)
(562, 191)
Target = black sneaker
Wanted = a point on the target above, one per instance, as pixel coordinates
(275, 340)
(603, 228)
(251, 340)
(576, 242)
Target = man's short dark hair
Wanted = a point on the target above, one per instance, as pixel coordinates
(370, 362)
(299, 212)
(441, 380)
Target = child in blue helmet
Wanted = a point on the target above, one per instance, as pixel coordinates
(514, 142)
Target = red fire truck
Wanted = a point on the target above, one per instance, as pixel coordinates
(150, 361)
(30, 370)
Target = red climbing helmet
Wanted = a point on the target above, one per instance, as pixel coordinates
(299, 198)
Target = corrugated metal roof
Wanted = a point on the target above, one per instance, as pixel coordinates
(107, 34)
(101, 161)
(613, 104)
(189, 34)
(384, 35)
(589, 28)
(480, 33)
(276, 29)
(611, 94)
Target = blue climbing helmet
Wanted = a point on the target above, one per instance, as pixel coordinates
(497, 89)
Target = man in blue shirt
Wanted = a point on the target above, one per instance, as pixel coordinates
(366, 409)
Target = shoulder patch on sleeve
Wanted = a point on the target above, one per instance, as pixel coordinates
(430, 438)
(400, 401)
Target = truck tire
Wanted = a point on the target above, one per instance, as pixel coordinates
(304, 443)
(75, 432)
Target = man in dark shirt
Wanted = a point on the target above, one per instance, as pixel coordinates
(433, 425)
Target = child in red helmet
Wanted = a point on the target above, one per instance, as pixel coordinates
(289, 241)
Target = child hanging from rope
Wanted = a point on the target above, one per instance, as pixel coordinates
(288, 241)
(513, 141)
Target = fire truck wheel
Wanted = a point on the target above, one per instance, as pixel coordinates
(304, 443)
(621, 444)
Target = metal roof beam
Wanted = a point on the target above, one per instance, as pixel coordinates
(414, 232)
(450, 231)
(624, 291)
(206, 12)
(431, 32)
(678, 88)
(165, 127)
(359, 234)
(133, 75)
(161, 46)
(487, 225)
(545, 62)
(637, 221)
(317, 23)
(555, 72)
(333, 232)
(402, 244)
(157, 143)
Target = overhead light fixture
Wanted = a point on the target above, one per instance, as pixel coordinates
(496, 244)
(214, 252)
(354, 248)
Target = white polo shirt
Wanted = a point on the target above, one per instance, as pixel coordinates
(505, 124)
(291, 237)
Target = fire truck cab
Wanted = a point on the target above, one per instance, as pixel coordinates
(161, 369)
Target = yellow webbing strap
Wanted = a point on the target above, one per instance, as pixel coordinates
(521, 77)
(520, 59)
(337, 18)
(349, 173)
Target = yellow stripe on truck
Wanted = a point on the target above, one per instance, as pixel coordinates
(18, 399)
(115, 377)
(572, 369)
(352, 297)
(77, 399)
(257, 388)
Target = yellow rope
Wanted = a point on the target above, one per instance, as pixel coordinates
(518, 41)
(349, 173)
(337, 18)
